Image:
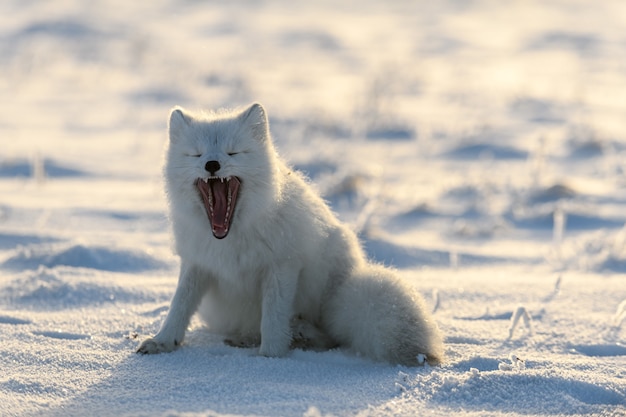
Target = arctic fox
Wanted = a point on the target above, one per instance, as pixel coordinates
(264, 260)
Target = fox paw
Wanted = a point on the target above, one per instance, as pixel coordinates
(243, 341)
(151, 346)
(276, 349)
(305, 335)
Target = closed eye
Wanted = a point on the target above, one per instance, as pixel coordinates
(194, 155)
(232, 153)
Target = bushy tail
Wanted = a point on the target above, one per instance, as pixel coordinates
(374, 313)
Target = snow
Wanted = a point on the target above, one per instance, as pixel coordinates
(479, 147)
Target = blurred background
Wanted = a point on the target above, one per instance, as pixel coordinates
(72, 69)
(472, 119)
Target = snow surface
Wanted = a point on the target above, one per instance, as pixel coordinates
(477, 146)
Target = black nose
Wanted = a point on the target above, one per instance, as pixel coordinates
(212, 167)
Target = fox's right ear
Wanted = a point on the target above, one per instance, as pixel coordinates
(179, 121)
(255, 118)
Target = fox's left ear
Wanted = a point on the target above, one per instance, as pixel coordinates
(255, 118)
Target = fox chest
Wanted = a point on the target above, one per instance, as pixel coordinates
(228, 258)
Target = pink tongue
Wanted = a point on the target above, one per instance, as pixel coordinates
(220, 206)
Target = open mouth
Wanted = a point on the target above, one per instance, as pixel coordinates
(219, 196)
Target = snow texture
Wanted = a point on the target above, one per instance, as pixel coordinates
(479, 147)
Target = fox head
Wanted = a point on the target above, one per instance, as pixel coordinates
(222, 165)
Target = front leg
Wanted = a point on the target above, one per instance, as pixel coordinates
(192, 285)
(277, 309)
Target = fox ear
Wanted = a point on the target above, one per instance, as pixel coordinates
(255, 118)
(179, 120)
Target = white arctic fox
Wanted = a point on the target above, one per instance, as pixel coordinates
(264, 260)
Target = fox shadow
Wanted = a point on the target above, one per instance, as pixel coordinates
(205, 375)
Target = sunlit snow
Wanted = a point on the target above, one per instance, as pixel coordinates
(477, 146)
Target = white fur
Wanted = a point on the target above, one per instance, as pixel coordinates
(287, 259)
